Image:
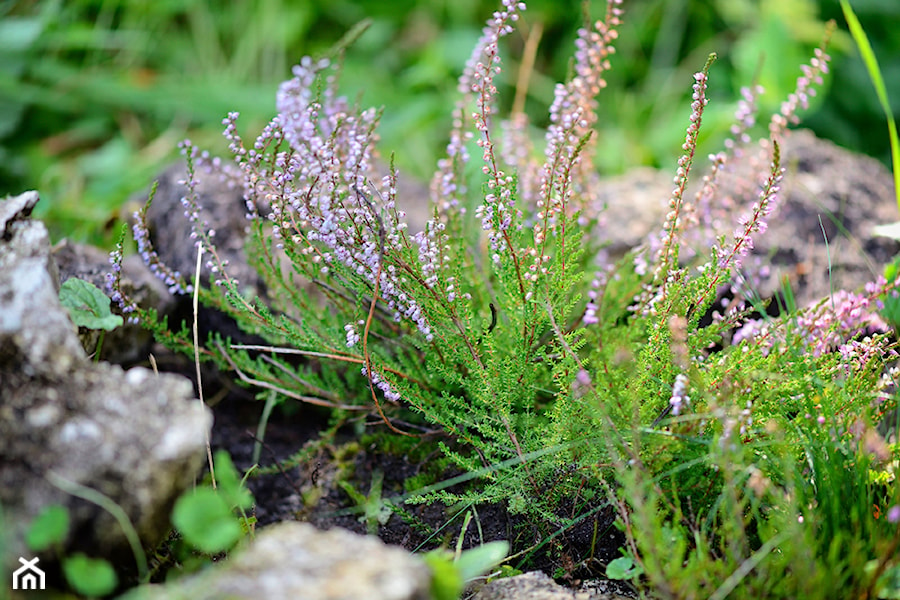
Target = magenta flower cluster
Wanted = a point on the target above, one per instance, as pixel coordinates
(829, 325)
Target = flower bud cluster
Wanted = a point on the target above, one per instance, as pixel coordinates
(679, 398)
(831, 324)
(573, 115)
(389, 392)
(799, 98)
(113, 285)
(476, 82)
(319, 190)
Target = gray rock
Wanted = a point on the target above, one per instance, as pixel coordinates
(539, 586)
(36, 341)
(136, 437)
(295, 560)
(14, 210)
(847, 195)
(222, 207)
(849, 192)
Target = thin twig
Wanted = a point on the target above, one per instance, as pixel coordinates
(350, 359)
(209, 457)
(280, 390)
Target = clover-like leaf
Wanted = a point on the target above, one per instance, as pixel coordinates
(624, 568)
(206, 521)
(230, 485)
(89, 576)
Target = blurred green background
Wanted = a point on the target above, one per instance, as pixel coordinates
(95, 94)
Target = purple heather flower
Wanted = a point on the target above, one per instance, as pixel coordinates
(893, 514)
(590, 314)
(665, 252)
(389, 392)
(315, 189)
(113, 284)
(754, 222)
(740, 422)
(476, 82)
(172, 279)
(679, 394)
(353, 333)
(799, 98)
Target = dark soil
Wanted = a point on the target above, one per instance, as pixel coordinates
(309, 491)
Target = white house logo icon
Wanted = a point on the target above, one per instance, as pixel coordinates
(28, 576)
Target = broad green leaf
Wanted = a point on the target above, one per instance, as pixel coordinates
(88, 306)
(229, 483)
(89, 576)
(50, 527)
(446, 582)
(479, 560)
(205, 519)
(623, 568)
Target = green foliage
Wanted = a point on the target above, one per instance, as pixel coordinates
(888, 585)
(206, 521)
(623, 567)
(88, 306)
(206, 516)
(450, 574)
(376, 511)
(871, 62)
(90, 576)
(561, 387)
(891, 301)
(87, 576)
(50, 527)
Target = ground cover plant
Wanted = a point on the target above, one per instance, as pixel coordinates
(745, 455)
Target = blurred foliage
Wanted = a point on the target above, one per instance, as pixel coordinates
(95, 94)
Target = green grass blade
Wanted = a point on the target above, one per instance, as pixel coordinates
(868, 56)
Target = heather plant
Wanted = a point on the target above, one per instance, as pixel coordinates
(745, 445)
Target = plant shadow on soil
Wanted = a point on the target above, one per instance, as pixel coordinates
(311, 491)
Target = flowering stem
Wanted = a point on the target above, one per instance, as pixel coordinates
(668, 254)
(369, 317)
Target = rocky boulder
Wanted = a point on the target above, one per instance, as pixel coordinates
(539, 586)
(295, 560)
(68, 424)
(820, 237)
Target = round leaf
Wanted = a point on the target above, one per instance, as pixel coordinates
(622, 568)
(89, 576)
(50, 527)
(206, 521)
